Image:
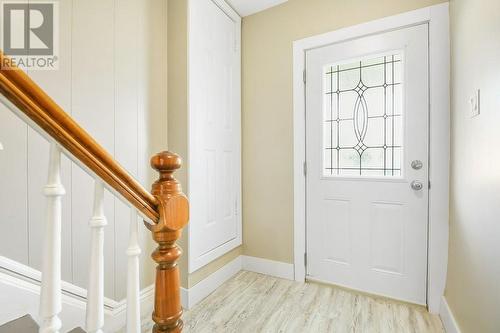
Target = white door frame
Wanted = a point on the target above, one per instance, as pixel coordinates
(437, 17)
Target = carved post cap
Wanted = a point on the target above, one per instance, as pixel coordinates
(166, 163)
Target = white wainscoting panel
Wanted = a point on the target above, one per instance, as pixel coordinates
(118, 96)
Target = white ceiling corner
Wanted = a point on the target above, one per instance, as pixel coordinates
(249, 7)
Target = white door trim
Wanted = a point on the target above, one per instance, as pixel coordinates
(437, 17)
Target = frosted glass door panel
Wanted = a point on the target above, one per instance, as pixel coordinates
(363, 117)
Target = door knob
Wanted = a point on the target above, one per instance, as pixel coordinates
(417, 185)
(417, 164)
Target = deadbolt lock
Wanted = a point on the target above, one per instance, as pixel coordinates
(417, 164)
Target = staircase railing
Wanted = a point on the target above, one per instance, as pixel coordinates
(165, 209)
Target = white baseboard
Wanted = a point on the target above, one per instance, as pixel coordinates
(269, 267)
(449, 322)
(192, 296)
(20, 290)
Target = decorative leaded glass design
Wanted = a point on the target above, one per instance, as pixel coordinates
(363, 111)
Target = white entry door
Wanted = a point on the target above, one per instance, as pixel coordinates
(367, 107)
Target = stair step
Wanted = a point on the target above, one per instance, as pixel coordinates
(25, 324)
(77, 330)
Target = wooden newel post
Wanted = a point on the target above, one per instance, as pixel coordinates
(174, 215)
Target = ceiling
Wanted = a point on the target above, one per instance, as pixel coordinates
(249, 7)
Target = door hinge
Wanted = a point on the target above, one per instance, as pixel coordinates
(305, 168)
(429, 184)
(304, 76)
(305, 259)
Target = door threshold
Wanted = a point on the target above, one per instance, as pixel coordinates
(366, 293)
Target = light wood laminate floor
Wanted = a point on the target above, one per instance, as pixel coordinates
(251, 302)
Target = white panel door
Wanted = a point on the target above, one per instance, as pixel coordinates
(367, 160)
(214, 126)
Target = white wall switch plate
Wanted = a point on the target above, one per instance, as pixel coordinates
(475, 104)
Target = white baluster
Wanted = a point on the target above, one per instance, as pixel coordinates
(95, 296)
(133, 288)
(50, 298)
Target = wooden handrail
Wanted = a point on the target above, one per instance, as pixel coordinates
(29, 98)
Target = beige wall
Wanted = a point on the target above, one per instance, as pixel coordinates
(178, 126)
(473, 289)
(267, 109)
